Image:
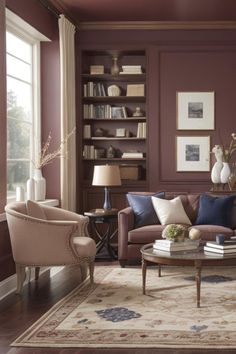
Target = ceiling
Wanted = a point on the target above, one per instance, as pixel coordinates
(147, 10)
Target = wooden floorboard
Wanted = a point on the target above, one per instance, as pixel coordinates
(17, 313)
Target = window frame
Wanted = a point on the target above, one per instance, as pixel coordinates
(24, 31)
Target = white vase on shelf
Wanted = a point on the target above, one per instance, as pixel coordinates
(225, 173)
(40, 185)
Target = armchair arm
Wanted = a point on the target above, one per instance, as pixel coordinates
(61, 214)
(41, 242)
(125, 224)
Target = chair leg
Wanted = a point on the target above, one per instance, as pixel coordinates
(37, 270)
(21, 275)
(91, 272)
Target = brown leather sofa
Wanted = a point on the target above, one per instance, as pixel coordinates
(131, 239)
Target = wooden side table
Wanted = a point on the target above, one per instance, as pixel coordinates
(109, 218)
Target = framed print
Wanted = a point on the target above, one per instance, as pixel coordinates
(195, 110)
(118, 112)
(193, 153)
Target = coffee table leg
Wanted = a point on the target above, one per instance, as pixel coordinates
(198, 268)
(159, 270)
(144, 270)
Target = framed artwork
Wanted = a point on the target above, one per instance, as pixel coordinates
(193, 153)
(195, 111)
(118, 112)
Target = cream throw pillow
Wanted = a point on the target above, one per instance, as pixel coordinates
(170, 211)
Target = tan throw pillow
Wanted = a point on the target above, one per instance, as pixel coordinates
(170, 211)
(35, 210)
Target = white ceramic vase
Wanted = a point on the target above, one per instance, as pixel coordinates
(40, 185)
(30, 189)
(216, 172)
(225, 173)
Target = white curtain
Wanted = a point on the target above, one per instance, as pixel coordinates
(68, 116)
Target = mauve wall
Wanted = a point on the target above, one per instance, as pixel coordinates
(179, 61)
(36, 15)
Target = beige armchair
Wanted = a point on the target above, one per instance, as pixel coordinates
(47, 236)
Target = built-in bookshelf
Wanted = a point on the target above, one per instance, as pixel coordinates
(114, 111)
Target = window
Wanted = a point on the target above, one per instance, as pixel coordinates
(20, 116)
(23, 100)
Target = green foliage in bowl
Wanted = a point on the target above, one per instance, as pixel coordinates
(174, 232)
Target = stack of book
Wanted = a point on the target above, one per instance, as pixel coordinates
(132, 155)
(131, 69)
(141, 130)
(171, 246)
(228, 248)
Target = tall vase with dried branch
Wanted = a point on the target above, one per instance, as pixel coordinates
(44, 158)
(227, 155)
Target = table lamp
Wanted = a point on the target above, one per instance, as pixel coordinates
(106, 176)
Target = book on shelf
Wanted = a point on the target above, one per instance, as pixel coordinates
(220, 251)
(228, 244)
(92, 89)
(87, 131)
(131, 69)
(167, 245)
(132, 154)
(141, 130)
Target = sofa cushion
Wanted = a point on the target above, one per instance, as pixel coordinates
(170, 211)
(35, 210)
(215, 210)
(145, 234)
(144, 213)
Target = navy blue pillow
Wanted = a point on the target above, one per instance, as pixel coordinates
(215, 210)
(144, 212)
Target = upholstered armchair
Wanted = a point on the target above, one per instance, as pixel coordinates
(48, 236)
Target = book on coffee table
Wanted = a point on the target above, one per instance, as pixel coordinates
(228, 244)
(220, 250)
(167, 245)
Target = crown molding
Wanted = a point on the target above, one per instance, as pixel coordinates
(157, 25)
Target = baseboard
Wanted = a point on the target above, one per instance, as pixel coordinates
(8, 286)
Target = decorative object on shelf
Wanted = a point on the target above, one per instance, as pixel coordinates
(99, 132)
(118, 112)
(195, 110)
(174, 232)
(30, 189)
(216, 169)
(135, 90)
(96, 69)
(20, 194)
(40, 185)
(113, 90)
(137, 112)
(225, 173)
(111, 152)
(121, 132)
(115, 67)
(106, 176)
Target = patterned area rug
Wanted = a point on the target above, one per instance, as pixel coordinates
(114, 313)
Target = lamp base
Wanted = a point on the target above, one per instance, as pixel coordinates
(107, 202)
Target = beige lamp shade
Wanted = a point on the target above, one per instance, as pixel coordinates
(106, 175)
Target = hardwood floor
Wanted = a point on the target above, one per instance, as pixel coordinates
(18, 313)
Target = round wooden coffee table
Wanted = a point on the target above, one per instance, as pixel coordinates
(198, 259)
